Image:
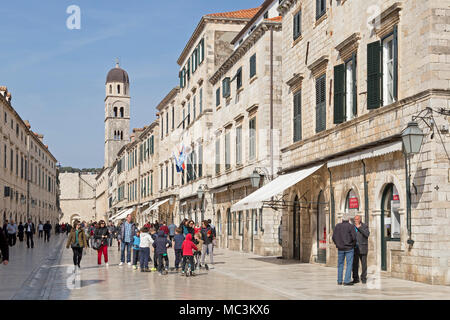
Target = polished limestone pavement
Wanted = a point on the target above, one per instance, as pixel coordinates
(47, 273)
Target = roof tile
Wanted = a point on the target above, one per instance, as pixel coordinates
(240, 14)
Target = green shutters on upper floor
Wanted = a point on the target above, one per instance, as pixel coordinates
(321, 104)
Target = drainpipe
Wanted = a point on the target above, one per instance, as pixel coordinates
(408, 199)
(366, 195)
(333, 219)
(271, 104)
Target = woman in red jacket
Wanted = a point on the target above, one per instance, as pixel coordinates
(188, 254)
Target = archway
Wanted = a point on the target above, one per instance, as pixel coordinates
(390, 220)
(321, 229)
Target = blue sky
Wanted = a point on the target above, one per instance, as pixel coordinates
(57, 76)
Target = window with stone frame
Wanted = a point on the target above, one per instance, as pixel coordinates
(345, 92)
(297, 25)
(297, 121)
(252, 138)
(321, 8)
(321, 104)
(239, 145)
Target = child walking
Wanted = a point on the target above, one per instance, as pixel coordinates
(160, 244)
(198, 253)
(155, 260)
(144, 249)
(188, 255)
(136, 244)
(177, 244)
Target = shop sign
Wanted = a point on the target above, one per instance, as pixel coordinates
(353, 203)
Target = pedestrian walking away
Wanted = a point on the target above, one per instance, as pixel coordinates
(161, 244)
(112, 231)
(344, 237)
(177, 244)
(126, 235)
(47, 230)
(101, 236)
(40, 229)
(21, 230)
(146, 241)
(77, 241)
(30, 230)
(4, 249)
(188, 256)
(361, 250)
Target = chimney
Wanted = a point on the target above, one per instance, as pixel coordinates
(3, 90)
(27, 123)
(8, 97)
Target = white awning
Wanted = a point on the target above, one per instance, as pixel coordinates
(370, 153)
(123, 214)
(277, 186)
(154, 206)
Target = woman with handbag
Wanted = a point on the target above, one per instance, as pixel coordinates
(101, 235)
(77, 241)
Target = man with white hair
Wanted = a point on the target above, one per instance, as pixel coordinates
(361, 250)
(344, 237)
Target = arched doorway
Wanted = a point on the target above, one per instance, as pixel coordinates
(296, 229)
(219, 228)
(390, 220)
(321, 229)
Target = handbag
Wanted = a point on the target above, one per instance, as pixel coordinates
(75, 245)
(97, 244)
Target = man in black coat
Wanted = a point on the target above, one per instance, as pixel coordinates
(4, 249)
(344, 237)
(47, 229)
(361, 250)
(30, 230)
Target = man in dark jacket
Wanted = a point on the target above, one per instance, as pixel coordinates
(160, 244)
(30, 230)
(4, 249)
(207, 237)
(344, 237)
(361, 250)
(47, 229)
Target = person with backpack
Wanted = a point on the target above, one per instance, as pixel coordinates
(161, 244)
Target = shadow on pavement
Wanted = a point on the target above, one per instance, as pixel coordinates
(277, 260)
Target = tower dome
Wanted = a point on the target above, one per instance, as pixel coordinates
(117, 75)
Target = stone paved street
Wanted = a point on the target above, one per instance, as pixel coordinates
(45, 273)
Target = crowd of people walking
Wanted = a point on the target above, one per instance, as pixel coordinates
(191, 244)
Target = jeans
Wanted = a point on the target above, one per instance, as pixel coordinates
(46, 236)
(189, 260)
(144, 255)
(135, 257)
(161, 256)
(103, 249)
(206, 248)
(128, 245)
(77, 255)
(40, 233)
(348, 257)
(363, 257)
(178, 257)
(11, 239)
(155, 260)
(30, 238)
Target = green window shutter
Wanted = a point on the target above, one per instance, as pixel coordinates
(321, 104)
(218, 155)
(239, 78)
(217, 97)
(373, 75)
(355, 88)
(226, 87)
(339, 94)
(202, 50)
(297, 116)
(297, 24)
(252, 65)
(395, 49)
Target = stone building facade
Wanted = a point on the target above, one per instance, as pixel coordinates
(353, 77)
(28, 171)
(77, 196)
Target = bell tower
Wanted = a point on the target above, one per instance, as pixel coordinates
(117, 113)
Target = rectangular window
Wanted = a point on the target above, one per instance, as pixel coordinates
(241, 224)
(239, 78)
(161, 186)
(184, 116)
(200, 161)
(194, 108)
(218, 155)
(162, 126)
(173, 174)
(297, 24)
(345, 93)
(167, 177)
(218, 97)
(226, 87)
(227, 151)
(389, 70)
(239, 145)
(173, 118)
(297, 116)
(255, 221)
(321, 7)
(167, 122)
(229, 225)
(252, 66)
(201, 51)
(200, 101)
(321, 104)
(252, 138)
(189, 113)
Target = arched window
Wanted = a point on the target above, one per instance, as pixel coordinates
(351, 202)
(121, 135)
(115, 112)
(390, 212)
(121, 112)
(110, 88)
(118, 88)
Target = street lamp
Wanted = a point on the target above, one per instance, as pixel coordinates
(255, 178)
(412, 138)
(200, 192)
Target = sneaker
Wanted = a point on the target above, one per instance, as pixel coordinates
(129, 263)
(355, 281)
(143, 270)
(121, 264)
(134, 267)
(147, 270)
(107, 264)
(364, 281)
(348, 284)
(153, 269)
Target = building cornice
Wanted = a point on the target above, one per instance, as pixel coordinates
(243, 48)
(168, 97)
(285, 5)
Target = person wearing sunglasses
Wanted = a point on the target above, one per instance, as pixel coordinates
(101, 234)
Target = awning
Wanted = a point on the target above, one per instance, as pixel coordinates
(370, 153)
(154, 206)
(123, 214)
(277, 186)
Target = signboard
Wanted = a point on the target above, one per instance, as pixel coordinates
(353, 203)
(395, 197)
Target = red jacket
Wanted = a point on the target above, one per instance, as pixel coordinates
(165, 229)
(188, 245)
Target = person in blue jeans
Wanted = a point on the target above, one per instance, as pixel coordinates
(136, 243)
(127, 233)
(177, 243)
(344, 237)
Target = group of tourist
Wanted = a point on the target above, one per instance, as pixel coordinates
(352, 242)
(187, 240)
(12, 231)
